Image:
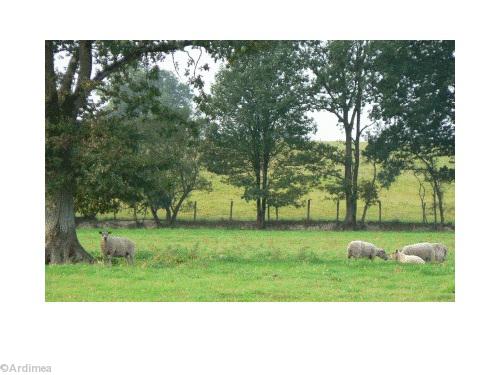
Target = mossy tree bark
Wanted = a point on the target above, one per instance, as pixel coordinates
(61, 242)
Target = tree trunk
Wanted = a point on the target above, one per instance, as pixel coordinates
(350, 214)
(441, 206)
(154, 212)
(365, 209)
(434, 208)
(261, 213)
(175, 209)
(61, 242)
(173, 218)
(168, 215)
(421, 194)
(135, 214)
(438, 195)
(357, 161)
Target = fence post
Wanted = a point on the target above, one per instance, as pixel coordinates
(308, 210)
(268, 213)
(276, 208)
(379, 212)
(338, 204)
(194, 213)
(231, 211)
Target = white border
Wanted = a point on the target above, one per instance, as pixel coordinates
(249, 338)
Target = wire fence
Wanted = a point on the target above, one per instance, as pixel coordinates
(332, 211)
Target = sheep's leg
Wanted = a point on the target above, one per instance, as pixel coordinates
(130, 260)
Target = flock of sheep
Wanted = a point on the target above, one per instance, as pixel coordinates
(417, 253)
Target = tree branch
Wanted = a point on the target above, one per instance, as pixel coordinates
(67, 80)
(367, 126)
(85, 58)
(51, 100)
(141, 49)
(83, 85)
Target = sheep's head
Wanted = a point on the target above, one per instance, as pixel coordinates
(395, 255)
(382, 254)
(104, 234)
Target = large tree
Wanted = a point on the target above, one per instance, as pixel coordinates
(415, 101)
(258, 110)
(68, 91)
(160, 107)
(342, 72)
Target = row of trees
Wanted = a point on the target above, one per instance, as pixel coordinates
(142, 143)
(143, 147)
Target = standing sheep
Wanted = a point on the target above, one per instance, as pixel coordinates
(116, 247)
(403, 258)
(430, 252)
(362, 249)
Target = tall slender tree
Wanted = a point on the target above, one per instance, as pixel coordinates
(258, 110)
(342, 85)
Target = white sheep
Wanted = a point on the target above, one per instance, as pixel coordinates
(430, 252)
(403, 258)
(362, 249)
(116, 247)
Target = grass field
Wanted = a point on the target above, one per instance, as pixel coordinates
(399, 202)
(248, 265)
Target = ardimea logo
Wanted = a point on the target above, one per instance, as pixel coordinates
(26, 368)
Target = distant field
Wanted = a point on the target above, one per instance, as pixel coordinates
(400, 202)
(249, 265)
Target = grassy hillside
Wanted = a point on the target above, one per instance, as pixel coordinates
(249, 265)
(400, 202)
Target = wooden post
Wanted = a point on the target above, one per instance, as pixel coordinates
(231, 211)
(338, 204)
(268, 213)
(308, 210)
(194, 213)
(276, 208)
(379, 212)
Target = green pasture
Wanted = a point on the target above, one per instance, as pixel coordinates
(399, 203)
(249, 265)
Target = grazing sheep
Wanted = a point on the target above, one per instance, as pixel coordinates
(116, 247)
(361, 249)
(430, 252)
(403, 258)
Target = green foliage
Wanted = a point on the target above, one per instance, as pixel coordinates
(368, 192)
(142, 146)
(342, 84)
(259, 125)
(101, 65)
(415, 91)
(342, 74)
(415, 99)
(147, 93)
(110, 163)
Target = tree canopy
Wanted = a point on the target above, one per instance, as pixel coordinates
(258, 111)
